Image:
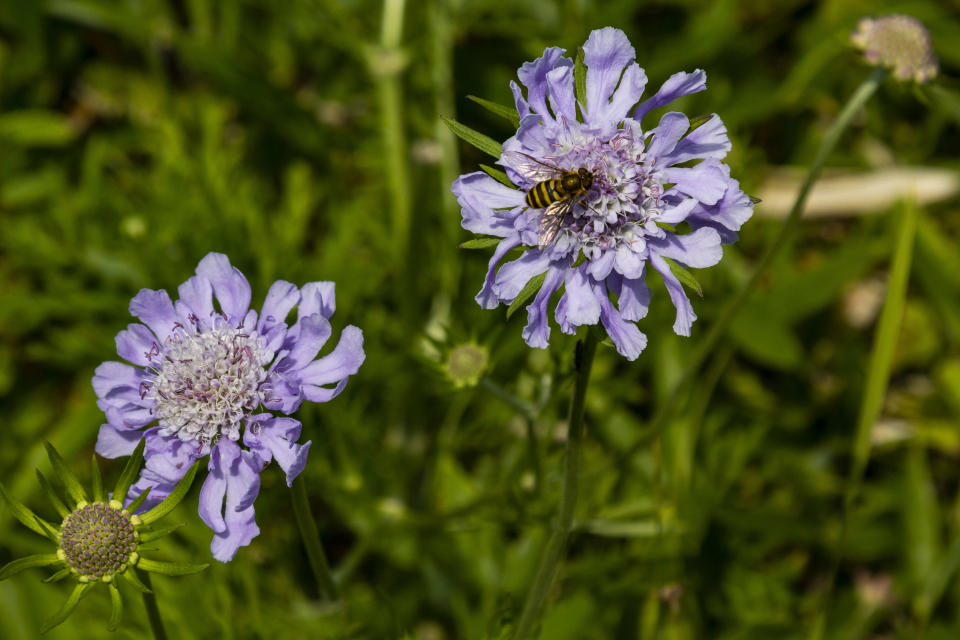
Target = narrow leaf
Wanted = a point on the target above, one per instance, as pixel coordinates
(70, 482)
(497, 175)
(24, 515)
(116, 607)
(130, 575)
(64, 612)
(148, 536)
(474, 138)
(510, 113)
(885, 338)
(96, 478)
(48, 529)
(36, 128)
(28, 562)
(170, 568)
(52, 496)
(580, 78)
(138, 501)
(173, 499)
(59, 575)
(531, 288)
(685, 277)
(129, 472)
(480, 243)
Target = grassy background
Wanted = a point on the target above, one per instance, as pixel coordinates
(302, 139)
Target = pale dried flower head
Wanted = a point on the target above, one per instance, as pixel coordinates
(899, 42)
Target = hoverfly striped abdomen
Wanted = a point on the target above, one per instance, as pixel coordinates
(542, 194)
(555, 190)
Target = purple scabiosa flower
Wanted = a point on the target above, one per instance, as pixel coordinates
(205, 380)
(623, 221)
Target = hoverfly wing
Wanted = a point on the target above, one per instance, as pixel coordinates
(551, 220)
(529, 167)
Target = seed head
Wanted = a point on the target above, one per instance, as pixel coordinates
(900, 43)
(465, 364)
(97, 540)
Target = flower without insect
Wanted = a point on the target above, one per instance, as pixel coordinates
(201, 377)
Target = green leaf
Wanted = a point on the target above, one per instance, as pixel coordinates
(173, 499)
(97, 479)
(130, 575)
(531, 288)
(510, 113)
(938, 580)
(580, 78)
(948, 100)
(36, 128)
(48, 528)
(480, 243)
(138, 502)
(28, 562)
(170, 568)
(498, 175)
(149, 536)
(922, 520)
(685, 277)
(648, 528)
(116, 607)
(474, 138)
(697, 122)
(52, 496)
(129, 472)
(59, 575)
(64, 612)
(26, 517)
(70, 482)
(885, 339)
(766, 339)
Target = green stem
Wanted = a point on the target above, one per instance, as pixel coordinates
(556, 545)
(387, 67)
(442, 23)
(311, 540)
(720, 325)
(153, 611)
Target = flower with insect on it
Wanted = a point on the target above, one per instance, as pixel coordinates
(592, 200)
(205, 381)
(98, 539)
(900, 43)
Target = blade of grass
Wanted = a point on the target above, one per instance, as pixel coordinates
(878, 377)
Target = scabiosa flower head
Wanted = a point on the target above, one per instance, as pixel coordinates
(205, 380)
(98, 541)
(898, 42)
(644, 183)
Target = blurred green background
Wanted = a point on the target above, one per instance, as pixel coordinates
(302, 139)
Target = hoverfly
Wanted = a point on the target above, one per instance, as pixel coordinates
(555, 191)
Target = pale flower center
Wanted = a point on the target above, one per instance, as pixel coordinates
(206, 383)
